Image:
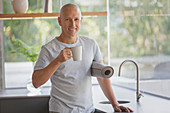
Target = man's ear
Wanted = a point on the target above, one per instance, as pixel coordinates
(81, 19)
(59, 21)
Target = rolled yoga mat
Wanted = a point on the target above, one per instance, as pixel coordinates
(101, 70)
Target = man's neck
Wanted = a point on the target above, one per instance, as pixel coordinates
(66, 39)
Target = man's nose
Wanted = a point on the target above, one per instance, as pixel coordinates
(72, 22)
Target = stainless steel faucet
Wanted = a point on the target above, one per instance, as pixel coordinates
(138, 94)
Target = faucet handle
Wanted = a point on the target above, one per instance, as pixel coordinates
(140, 95)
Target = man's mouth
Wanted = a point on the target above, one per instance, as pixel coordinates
(71, 28)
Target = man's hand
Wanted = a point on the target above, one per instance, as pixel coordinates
(122, 109)
(64, 55)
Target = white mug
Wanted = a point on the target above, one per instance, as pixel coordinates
(76, 53)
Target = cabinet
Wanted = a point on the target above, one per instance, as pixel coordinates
(24, 105)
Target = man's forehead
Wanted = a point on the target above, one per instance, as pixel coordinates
(67, 6)
(71, 10)
(71, 16)
(70, 7)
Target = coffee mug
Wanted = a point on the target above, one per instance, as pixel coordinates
(76, 53)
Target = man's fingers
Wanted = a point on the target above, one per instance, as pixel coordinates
(67, 48)
(123, 109)
(67, 53)
(130, 110)
(117, 109)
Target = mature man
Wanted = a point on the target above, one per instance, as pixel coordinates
(71, 90)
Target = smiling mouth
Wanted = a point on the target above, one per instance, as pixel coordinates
(72, 29)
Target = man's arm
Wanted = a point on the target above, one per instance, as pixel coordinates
(106, 87)
(39, 77)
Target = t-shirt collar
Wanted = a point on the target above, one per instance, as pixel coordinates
(68, 45)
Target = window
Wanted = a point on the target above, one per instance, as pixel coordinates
(140, 31)
(23, 38)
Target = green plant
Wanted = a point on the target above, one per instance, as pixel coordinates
(29, 51)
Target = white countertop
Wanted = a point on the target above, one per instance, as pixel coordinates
(147, 104)
(23, 93)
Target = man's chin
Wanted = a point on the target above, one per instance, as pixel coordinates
(73, 34)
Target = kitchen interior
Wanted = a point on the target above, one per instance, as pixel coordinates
(133, 36)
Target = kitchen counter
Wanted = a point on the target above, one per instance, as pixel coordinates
(22, 101)
(147, 104)
(23, 93)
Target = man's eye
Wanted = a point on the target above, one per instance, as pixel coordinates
(76, 19)
(66, 19)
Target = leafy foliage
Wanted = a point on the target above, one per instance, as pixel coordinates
(20, 47)
(130, 35)
(144, 33)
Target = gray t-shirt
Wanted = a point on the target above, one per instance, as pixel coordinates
(71, 90)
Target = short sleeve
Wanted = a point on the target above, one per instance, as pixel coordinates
(97, 53)
(43, 59)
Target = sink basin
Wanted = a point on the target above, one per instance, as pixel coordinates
(119, 101)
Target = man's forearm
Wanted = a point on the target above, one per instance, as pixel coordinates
(105, 84)
(40, 77)
(106, 87)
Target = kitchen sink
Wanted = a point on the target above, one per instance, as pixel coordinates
(119, 101)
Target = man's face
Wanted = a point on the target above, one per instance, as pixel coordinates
(70, 21)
